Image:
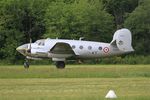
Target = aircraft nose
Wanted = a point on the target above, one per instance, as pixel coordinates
(22, 49)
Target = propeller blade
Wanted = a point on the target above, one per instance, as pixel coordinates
(30, 43)
(29, 46)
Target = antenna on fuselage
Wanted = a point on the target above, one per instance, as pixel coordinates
(81, 38)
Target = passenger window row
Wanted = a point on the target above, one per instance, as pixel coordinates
(89, 47)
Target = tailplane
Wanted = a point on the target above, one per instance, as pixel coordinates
(123, 40)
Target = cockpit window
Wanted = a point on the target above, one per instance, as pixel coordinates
(40, 42)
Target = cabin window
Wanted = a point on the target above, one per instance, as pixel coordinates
(40, 42)
(89, 47)
(81, 47)
(73, 46)
(100, 48)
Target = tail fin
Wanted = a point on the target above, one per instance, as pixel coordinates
(123, 39)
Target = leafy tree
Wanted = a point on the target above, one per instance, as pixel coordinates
(92, 19)
(120, 9)
(8, 38)
(18, 20)
(139, 23)
(82, 18)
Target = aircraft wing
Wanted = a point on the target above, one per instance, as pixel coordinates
(62, 48)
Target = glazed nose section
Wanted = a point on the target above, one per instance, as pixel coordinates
(22, 49)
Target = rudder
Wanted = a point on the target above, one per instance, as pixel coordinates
(123, 40)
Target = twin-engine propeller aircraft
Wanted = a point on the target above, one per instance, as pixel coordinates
(61, 49)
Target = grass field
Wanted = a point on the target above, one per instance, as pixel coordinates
(76, 82)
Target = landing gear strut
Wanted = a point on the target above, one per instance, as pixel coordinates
(26, 64)
(60, 64)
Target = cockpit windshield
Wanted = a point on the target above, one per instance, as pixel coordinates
(40, 42)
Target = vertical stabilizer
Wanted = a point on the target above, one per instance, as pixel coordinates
(123, 40)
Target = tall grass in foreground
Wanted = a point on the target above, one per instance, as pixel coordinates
(76, 82)
(74, 88)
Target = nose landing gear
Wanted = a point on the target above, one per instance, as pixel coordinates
(26, 64)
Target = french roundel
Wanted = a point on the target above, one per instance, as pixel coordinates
(106, 49)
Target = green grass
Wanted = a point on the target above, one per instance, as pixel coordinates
(74, 88)
(76, 82)
(76, 71)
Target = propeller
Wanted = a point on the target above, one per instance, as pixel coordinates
(29, 46)
(29, 33)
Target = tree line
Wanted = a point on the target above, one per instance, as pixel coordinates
(95, 20)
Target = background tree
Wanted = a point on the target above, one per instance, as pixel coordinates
(81, 18)
(139, 23)
(18, 19)
(93, 19)
(120, 9)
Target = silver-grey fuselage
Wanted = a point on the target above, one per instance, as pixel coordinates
(61, 49)
(82, 49)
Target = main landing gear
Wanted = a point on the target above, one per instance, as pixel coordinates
(26, 64)
(60, 64)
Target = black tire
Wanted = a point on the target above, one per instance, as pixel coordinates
(60, 64)
(26, 65)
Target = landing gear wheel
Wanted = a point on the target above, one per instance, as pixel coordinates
(26, 64)
(60, 64)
